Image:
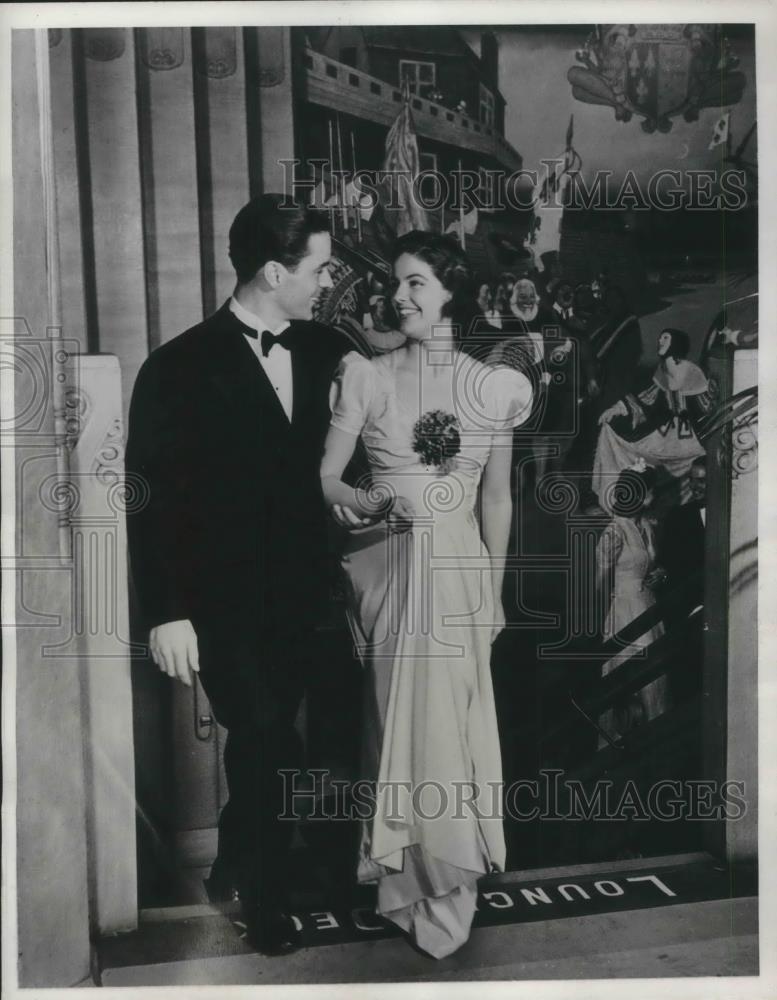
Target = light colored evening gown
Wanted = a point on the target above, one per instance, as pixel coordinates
(421, 609)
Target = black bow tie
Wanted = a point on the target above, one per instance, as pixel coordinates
(269, 340)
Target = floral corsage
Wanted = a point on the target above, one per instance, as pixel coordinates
(436, 440)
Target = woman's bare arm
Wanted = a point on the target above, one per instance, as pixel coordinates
(497, 506)
(350, 507)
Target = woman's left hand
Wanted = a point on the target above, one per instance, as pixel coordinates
(346, 518)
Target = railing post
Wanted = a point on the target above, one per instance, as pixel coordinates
(730, 706)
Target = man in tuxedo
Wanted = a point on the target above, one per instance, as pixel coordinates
(227, 424)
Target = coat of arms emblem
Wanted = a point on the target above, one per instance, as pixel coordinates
(657, 71)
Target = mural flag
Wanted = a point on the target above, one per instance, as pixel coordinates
(403, 162)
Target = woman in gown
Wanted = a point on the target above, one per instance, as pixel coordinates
(625, 560)
(424, 567)
(658, 424)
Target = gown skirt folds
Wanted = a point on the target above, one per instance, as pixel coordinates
(421, 610)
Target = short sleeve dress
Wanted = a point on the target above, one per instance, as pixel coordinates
(421, 610)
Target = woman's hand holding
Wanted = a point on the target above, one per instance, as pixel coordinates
(346, 518)
(399, 517)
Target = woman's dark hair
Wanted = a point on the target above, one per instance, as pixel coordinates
(627, 495)
(268, 228)
(680, 345)
(449, 265)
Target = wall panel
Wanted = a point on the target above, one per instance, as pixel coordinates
(222, 153)
(275, 89)
(72, 284)
(117, 235)
(50, 796)
(169, 170)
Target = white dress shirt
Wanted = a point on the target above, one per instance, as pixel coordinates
(277, 364)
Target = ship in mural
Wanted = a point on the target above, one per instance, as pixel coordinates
(351, 91)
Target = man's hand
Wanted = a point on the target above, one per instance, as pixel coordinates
(174, 649)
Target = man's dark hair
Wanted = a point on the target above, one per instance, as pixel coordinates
(266, 229)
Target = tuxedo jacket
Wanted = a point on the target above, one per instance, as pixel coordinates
(230, 521)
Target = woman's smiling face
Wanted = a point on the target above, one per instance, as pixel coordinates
(419, 297)
(664, 343)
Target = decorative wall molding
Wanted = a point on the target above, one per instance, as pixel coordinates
(272, 56)
(77, 409)
(95, 433)
(217, 58)
(162, 48)
(109, 458)
(104, 44)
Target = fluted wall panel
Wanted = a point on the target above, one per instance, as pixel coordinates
(161, 135)
(66, 156)
(169, 171)
(111, 185)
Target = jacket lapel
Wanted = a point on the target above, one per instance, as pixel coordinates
(302, 375)
(241, 381)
